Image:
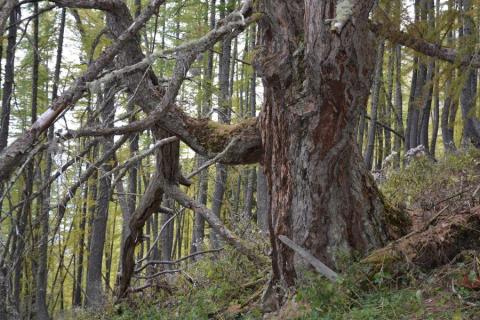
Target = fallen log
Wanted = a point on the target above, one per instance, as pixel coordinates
(434, 245)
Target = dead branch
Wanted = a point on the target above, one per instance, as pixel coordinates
(134, 160)
(319, 266)
(231, 25)
(217, 158)
(149, 277)
(158, 237)
(214, 221)
(52, 178)
(155, 262)
(418, 44)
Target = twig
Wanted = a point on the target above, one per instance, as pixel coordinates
(158, 274)
(130, 162)
(219, 156)
(158, 236)
(177, 261)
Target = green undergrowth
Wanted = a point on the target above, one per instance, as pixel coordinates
(317, 298)
(425, 180)
(226, 282)
(228, 287)
(220, 292)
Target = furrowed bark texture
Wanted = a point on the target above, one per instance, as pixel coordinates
(322, 197)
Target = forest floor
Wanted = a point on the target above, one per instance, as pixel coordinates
(431, 273)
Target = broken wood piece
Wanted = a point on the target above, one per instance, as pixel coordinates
(319, 266)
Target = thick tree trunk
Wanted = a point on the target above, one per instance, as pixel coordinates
(322, 196)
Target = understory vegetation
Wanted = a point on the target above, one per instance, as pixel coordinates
(228, 286)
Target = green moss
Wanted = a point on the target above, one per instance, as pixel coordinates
(215, 136)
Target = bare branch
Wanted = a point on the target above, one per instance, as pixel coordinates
(159, 274)
(62, 205)
(218, 157)
(214, 221)
(423, 46)
(130, 162)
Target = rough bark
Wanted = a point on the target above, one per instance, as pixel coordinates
(322, 196)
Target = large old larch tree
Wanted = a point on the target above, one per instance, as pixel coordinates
(317, 68)
(316, 59)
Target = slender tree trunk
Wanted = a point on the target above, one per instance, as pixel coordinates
(377, 85)
(167, 234)
(362, 128)
(42, 275)
(225, 105)
(398, 106)
(8, 79)
(263, 200)
(411, 105)
(77, 295)
(427, 107)
(199, 225)
(379, 153)
(252, 173)
(471, 125)
(449, 103)
(389, 103)
(94, 291)
(8, 86)
(322, 195)
(436, 115)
